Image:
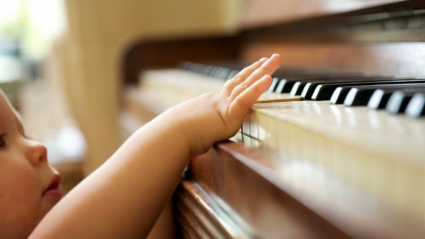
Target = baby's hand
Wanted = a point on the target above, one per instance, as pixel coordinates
(217, 116)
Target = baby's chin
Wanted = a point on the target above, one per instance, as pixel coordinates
(47, 204)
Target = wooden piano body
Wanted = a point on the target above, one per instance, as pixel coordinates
(302, 169)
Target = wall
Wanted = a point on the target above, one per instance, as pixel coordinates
(91, 47)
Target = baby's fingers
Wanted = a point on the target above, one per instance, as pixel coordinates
(244, 101)
(267, 68)
(242, 76)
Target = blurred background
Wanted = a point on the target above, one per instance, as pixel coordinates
(60, 65)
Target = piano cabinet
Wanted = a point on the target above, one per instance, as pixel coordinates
(253, 187)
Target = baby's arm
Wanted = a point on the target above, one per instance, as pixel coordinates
(123, 198)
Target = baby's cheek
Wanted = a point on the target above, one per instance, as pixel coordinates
(20, 195)
(24, 184)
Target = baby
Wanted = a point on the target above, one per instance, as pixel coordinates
(135, 183)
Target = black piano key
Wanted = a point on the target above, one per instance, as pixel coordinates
(297, 88)
(273, 86)
(340, 93)
(207, 70)
(302, 87)
(325, 91)
(398, 102)
(284, 86)
(287, 84)
(223, 73)
(310, 92)
(307, 88)
(232, 74)
(416, 106)
(338, 96)
(221, 70)
(360, 96)
(284, 80)
(189, 66)
(220, 73)
(380, 97)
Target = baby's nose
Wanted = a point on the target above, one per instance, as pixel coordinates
(37, 153)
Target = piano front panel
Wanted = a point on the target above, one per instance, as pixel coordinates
(254, 200)
(294, 199)
(202, 216)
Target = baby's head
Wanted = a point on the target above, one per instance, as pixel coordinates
(29, 187)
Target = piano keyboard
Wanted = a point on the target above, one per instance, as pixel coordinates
(348, 89)
(334, 124)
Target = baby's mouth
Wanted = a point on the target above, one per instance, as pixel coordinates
(54, 187)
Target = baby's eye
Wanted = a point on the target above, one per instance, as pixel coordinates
(2, 141)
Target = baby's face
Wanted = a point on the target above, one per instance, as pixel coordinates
(29, 187)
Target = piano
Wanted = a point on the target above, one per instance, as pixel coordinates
(335, 148)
